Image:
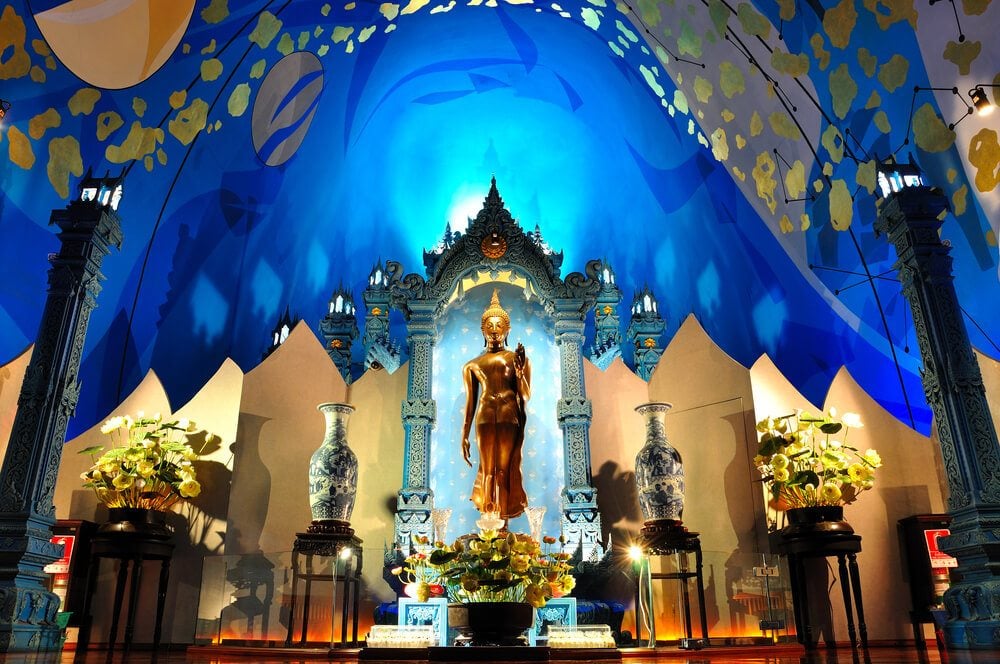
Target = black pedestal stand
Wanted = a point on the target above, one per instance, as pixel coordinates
(666, 537)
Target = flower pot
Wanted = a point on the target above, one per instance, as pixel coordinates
(822, 519)
(491, 623)
(136, 522)
(333, 474)
(659, 473)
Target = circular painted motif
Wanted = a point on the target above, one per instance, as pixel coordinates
(113, 44)
(493, 246)
(285, 106)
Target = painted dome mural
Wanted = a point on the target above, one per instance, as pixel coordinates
(723, 154)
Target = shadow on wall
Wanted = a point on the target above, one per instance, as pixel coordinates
(254, 492)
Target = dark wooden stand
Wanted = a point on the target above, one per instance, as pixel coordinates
(327, 545)
(845, 546)
(134, 548)
(668, 538)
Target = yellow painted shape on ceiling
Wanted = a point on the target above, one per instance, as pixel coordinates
(783, 126)
(267, 28)
(189, 121)
(40, 47)
(341, 33)
(959, 200)
(874, 100)
(951, 175)
(703, 89)
(38, 125)
(719, 13)
(17, 62)
(107, 123)
(727, 115)
(839, 22)
(720, 146)
(19, 149)
(841, 206)
(139, 106)
(786, 224)
(211, 69)
(843, 90)
(974, 7)
(161, 156)
(680, 102)
(257, 70)
(177, 99)
(414, 6)
(804, 222)
(881, 121)
(365, 34)
(649, 10)
(83, 100)
(821, 54)
(786, 10)
(756, 124)
(303, 40)
(216, 11)
(786, 63)
(689, 43)
(37, 74)
(390, 10)
(140, 142)
(930, 132)
(867, 61)
(731, 80)
(991, 238)
(64, 158)
(795, 179)
(239, 100)
(833, 141)
(285, 44)
(740, 175)
(752, 21)
(892, 74)
(740, 142)
(209, 48)
(984, 155)
(888, 12)
(763, 176)
(866, 174)
(962, 54)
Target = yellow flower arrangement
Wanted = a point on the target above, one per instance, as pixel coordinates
(149, 465)
(807, 462)
(488, 567)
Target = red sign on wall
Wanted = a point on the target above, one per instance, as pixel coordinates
(938, 557)
(61, 566)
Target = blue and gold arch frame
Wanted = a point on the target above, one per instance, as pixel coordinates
(495, 246)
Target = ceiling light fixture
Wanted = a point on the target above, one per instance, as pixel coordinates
(979, 99)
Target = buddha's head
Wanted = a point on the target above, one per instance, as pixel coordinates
(496, 323)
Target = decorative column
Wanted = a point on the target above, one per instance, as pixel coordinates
(380, 351)
(607, 325)
(911, 216)
(339, 329)
(89, 227)
(581, 522)
(415, 500)
(644, 331)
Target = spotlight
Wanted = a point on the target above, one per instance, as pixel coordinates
(980, 101)
(346, 553)
(4, 107)
(635, 553)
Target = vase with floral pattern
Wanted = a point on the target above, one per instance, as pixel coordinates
(333, 474)
(659, 472)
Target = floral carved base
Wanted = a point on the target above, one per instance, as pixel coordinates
(973, 615)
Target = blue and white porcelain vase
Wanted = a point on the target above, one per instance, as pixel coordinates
(659, 472)
(333, 474)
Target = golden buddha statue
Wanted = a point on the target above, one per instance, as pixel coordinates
(497, 389)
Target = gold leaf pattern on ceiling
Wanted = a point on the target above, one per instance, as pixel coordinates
(958, 200)
(161, 156)
(413, 6)
(19, 148)
(962, 54)
(756, 124)
(892, 74)
(285, 45)
(841, 206)
(139, 106)
(984, 155)
(827, 169)
(974, 7)
(720, 146)
(257, 70)
(839, 22)
(303, 40)
(211, 69)
(727, 115)
(37, 74)
(763, 176)
(874, 100)
(267, 28)
(793, 65)
(821, 54)
(702, 89)
(818, 185)
(389, 10)
(40, 47)
(177, 99)
(341, 33)
(64, 158)
(12, 34)
(189, 121)
(991, 238)
(216, 11)
(786, 9)
(951, 175)
(783, 126)
(141, 141)
(804, 222)
(680, 102)
(752, 21)
(888, 12)
(38, 125)
(210, 48)
(83, 100)
(930, 132)
(731, 80)
(239, 100)
(795, 179)
(843, 90)
(786, 224)
(881, 121)
(740, 175)
(740, 142)
(866, 174)
(107, 123)
(833, 141)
